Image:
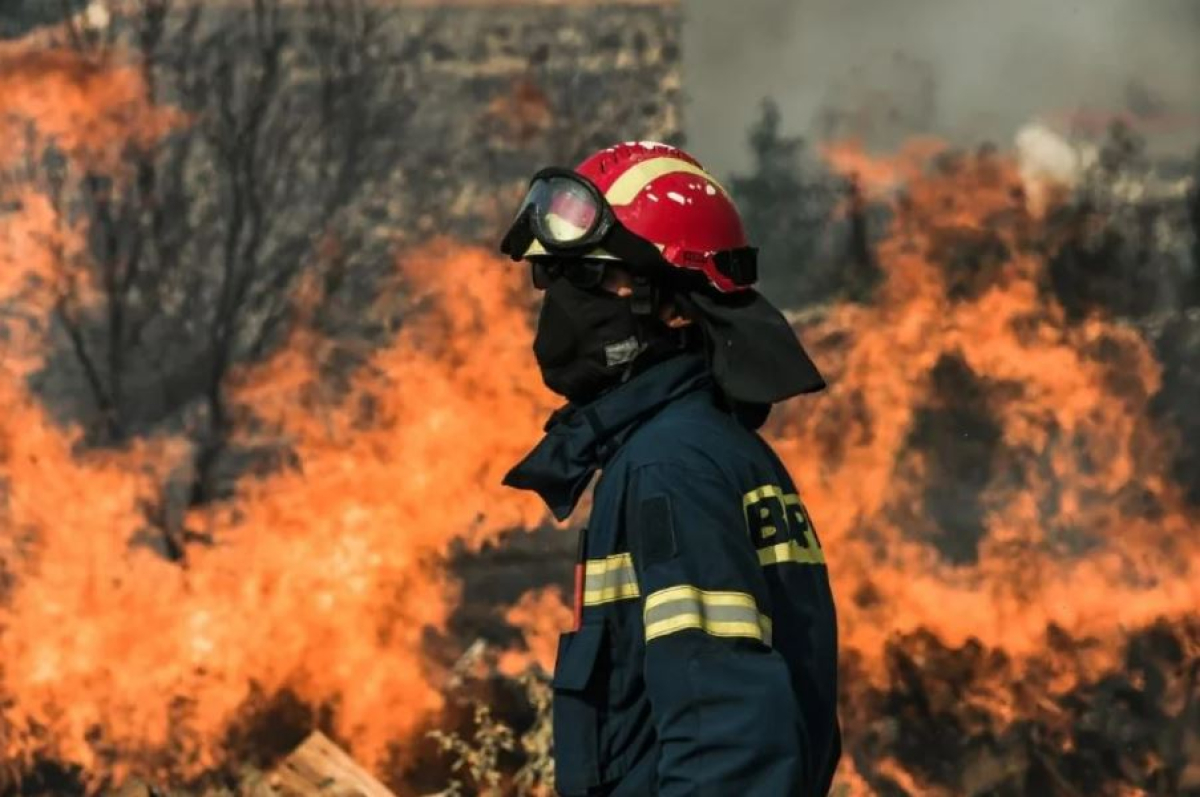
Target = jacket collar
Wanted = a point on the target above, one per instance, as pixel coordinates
(581, 439)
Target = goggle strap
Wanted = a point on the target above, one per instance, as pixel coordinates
(739, 265)
(519, 237)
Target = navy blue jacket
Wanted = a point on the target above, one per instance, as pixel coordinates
(704, 661)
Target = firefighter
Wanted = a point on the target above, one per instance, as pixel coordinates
(703, 658)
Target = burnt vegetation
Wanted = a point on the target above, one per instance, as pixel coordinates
(301, 156)
(1130, 249)
(1134, 728)
(304, 145)
(198, 241)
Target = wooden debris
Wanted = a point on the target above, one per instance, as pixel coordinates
(319, 768)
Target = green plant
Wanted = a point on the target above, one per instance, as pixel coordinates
(535, 778)
(477, 757)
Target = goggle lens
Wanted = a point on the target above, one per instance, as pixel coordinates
(564, 211)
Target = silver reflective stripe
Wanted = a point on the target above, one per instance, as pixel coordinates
(723, 614)
(621, 352)
(609, 579)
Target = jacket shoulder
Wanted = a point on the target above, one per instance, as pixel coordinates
(694, 435)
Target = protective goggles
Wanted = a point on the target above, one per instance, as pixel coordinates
(565, 213)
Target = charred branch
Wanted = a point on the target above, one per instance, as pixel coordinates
(196, 239)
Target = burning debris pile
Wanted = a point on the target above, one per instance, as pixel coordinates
(242, 443)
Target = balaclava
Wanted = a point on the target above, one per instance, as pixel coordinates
(589, 340)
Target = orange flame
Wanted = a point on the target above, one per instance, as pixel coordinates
(1073, 396)
(541, 615)
(91, 107)
(325, 578)
(322, 581)
(1076, 454)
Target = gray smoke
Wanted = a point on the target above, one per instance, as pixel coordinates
(968, 70)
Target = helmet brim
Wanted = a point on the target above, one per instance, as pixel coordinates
(537, 250)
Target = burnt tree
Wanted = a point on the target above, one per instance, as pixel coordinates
(808, 255)
(288, 117)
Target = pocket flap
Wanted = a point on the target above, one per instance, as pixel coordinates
(577, 654)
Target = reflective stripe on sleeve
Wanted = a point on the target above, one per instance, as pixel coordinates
(609, 579)
(790, 551)
(722, 614)
(762, 493)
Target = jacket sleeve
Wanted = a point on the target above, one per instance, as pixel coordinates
(721, 698)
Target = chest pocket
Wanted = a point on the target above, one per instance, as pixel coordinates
(580, 692)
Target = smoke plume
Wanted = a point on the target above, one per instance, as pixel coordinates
(962, 71)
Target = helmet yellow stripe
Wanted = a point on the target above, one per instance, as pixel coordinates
(628, 185)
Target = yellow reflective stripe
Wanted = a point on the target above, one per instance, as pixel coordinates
(594, 597)
(727, 628)
(722, 614)
(688, 592)
(626, 187)
(808, 553)
(792, 551)
(618, 561)
(766, 491)
(609, 579)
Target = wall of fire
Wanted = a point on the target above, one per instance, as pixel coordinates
(468, 101)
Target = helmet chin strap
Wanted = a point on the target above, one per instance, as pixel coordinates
(644, 301)
(656, 340)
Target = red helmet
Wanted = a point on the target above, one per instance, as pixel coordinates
(647, 204)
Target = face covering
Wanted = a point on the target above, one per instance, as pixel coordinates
(586, 340)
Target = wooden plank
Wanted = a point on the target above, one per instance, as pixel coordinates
(319, 768)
